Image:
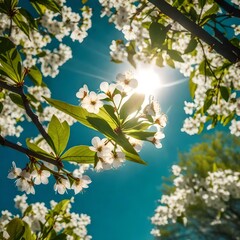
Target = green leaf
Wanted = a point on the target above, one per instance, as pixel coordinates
(61, 207)
(170, 62)
(132, 105)
(28, 233)
(15, 229)
(224, 93)
(10, 60)
(19, 20)
(201, 3)
(209, 13)
(192, 85)
(207, 104)
(178, 3)
(140, 135)
(79, 154)
(28, 210)
(201, 128)
(191, 46)
(40, 8)
(7, 6)
(29, 18)
(159, 60)
(35, 75)
(35, 148)
(1, 107)
(175, 55)
(157, 33)
(193, 14)
(42, 5)
(61, 236)
(135, 124)
(16, 99)
(59, 133)
(131, 52)
(81, 114)
(228, 119)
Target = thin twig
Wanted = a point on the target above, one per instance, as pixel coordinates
(30, 113)
(6, 143)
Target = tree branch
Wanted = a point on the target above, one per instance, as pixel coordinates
(30, 113)
(195, 29)
(6, 143)
(228, 8)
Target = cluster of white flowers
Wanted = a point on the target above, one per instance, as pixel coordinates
(37, 217)
(109, 154)
(33, 174)
(214, 191)
(133, 18)
(59, 25)
(10, 117)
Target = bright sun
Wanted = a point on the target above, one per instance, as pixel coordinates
(148, 80)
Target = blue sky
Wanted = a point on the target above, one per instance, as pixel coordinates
(120, 202)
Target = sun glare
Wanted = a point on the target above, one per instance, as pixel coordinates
(148, 80)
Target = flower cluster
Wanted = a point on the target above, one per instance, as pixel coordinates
(36, 46)
(38, 217)
(214, 191)
(211, 83)
(10, 116)
(110, 154)
(37, 173)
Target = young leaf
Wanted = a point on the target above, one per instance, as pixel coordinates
(140, 134)
(42, 5)
(159, 60)
(40, 8)
(191, 46)
(79, 154)
(59, 133)
(10, 60)
(35, 75)
(192, 85)
(27, 233)
(15, 229)
(30, 20)
(131, 52)
(157, 33)
(133, 104)
(61, 236)
(207, 104)
(61, 207)
(35, 148)
(1, 107)
(16, 99)
(201, 3)
(224, 93)
(207, 15)
(175, 55)
(19, 20)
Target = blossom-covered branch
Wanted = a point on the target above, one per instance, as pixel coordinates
(195, 29)
(28, 152)
(30, 113)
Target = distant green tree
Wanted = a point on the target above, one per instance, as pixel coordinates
(202, 200)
